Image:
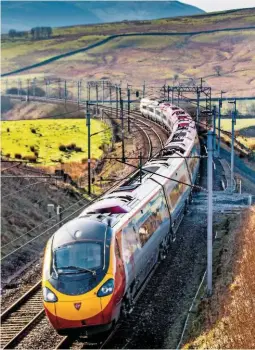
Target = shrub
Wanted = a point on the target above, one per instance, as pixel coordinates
(71, 146)
(7, 155)
(78, 149)
(8, 129)
(62, 148)
(18, 156)
(31, 159)
(32, 148)
(33, 131)
(36, 153)
(84, 160)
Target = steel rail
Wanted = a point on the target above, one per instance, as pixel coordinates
(19, 318)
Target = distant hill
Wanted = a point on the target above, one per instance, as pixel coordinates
(23, 15)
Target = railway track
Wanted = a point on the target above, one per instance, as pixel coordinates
(152, 130)
(21, 317)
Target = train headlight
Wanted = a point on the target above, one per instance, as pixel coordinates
(49, 296)
(106, 289)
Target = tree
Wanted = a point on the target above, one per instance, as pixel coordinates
(49, 32)
(12, 33)
(41, 32)
(218, 70)
(32, 31)
(176, 77)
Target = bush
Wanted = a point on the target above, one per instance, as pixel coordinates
(71, 146)
(84, 160)
(8, 129)
(18, 156)
(31, 159)
(78, 149)
(7, 155)
(33, 131)
(36, 153)
(62, 148)
(32, 148)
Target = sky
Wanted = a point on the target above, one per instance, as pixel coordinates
(220, 5)
(206, 5)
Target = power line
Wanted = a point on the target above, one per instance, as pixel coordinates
(166, 177)
(44, 222)
(87, 204)
(13, 193)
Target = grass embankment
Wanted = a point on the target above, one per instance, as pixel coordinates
(17, 53)
(245, 130)
(49, 141)
(227, 319)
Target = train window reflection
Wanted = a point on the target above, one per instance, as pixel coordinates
(83, 255)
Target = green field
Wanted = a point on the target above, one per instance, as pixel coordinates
(244, 128)
(226, 124)
(42, 138)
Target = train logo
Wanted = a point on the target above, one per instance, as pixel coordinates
(77, 306)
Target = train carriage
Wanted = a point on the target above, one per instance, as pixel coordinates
(95, 264)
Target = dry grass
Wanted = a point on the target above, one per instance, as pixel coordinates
(229, 316)
(156, 60)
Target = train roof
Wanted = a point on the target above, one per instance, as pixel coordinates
(125, 198)
(79, 229)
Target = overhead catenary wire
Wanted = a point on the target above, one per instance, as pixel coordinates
(166, 177)
(56, 225)
(24, 188)
(42, 223)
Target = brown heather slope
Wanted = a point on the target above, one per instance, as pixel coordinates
(13, 109)
(227, 320)
(158, 59)
(17, 53)
(24, 206)
(155, 59)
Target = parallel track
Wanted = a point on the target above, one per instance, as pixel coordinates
(21, 317)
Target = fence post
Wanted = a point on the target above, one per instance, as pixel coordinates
(59, 215)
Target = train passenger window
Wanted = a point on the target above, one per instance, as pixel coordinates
(174, 195)
(117, 249)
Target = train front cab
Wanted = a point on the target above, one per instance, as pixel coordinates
(79, 300)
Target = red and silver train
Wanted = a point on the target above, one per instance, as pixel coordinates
(95, 264)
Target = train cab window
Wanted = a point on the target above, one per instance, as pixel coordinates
(144, 107)
(78, 256)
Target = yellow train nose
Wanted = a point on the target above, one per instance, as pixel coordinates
(78, 310)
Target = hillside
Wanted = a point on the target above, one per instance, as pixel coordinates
(226, 321)
(23, 15)
(222, 58)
